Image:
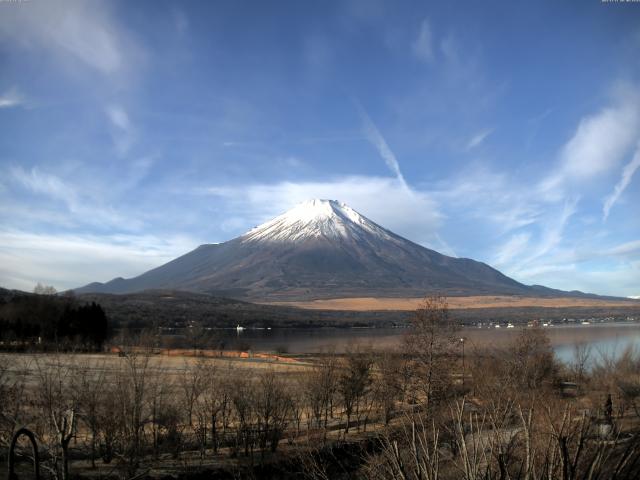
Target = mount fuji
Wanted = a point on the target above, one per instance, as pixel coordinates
(320, 249)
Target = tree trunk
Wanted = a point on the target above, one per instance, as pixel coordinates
(65, 460)
(214, 434)
(93, 448)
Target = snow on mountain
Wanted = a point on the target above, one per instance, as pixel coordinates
(316, 218)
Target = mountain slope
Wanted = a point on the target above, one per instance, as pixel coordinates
(319, 249)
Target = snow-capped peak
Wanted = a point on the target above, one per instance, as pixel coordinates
(318, 209)
(316, 218)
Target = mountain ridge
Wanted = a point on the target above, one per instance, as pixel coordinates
(321, 249)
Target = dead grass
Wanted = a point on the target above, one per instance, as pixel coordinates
(407, 304)
(174, 364)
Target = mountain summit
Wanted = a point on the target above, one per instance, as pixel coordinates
(319, 249)
(328, 219)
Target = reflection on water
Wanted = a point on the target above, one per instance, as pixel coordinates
(603, 338)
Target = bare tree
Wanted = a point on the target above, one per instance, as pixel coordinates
(272, 406)
(412, 454)
(214, 406)
(132, 395)
(109, 421)
(160, 387)
(41, 289)
(242, 400)
(431, 346)
(297, 402)
(387, 383)
(59, 407)
(170, 427)
(530, 359)
(320, 386)
(197, 338)
(89, 387)
(12, 398)
(191, 384)
(354, 381)
(581, 357)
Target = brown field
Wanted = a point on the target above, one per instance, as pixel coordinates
(173, 363)
(406, 304)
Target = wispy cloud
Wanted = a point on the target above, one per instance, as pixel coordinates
(624, 277)
(601, 140)
(123, 136)
(442, 246)
(74, 31)
(491, 197)
(598, 145)
(81, 208)
(627, 173)
(527, 229)
(551, 237)
(291, 161)
(510, 250)
(624, 249)
(376, 139)
(576, 255)
(595, 267)
(118, 117)
(11, 98)
(422, 46)
(89, 39)
(479, 138)
(44, 183)
(62, 260)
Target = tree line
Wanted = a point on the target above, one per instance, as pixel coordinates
(44, 319)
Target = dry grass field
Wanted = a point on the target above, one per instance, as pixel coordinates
(408, 304)
(30, 363)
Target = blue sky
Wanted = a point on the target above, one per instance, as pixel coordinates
(508, 132)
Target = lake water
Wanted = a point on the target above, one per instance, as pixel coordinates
(603, 338)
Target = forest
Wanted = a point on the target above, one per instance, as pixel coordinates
(43, 320)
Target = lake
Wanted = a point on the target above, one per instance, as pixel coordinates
(603, 338)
